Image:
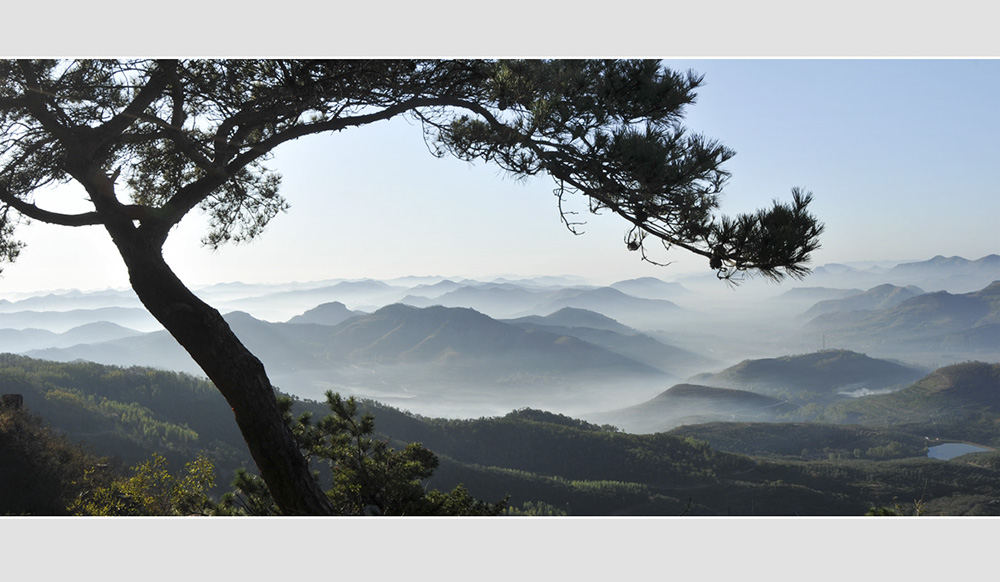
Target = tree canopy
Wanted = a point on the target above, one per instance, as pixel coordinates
(198, 134)
(151, 140)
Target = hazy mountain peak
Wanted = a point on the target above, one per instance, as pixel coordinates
(816, 371)
(959, 324)
(579, 317)
(433, 314)
(99, 326)
(884, 289)
(652, 280)
(955, 391)
(941, 262)
(835, 269)
(709, 392)
(650, 287)
(239, 316)
(362, 283)
(330, 313)
(993, 289)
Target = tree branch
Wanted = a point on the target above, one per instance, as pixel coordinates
(35, 213)
(153, 88)
(36, 102)
(195, 193)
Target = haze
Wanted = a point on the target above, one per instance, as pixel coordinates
(897, 152)
(893, 154)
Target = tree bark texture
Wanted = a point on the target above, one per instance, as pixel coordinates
(235, 371)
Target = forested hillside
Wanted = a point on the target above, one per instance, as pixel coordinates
(545, 463)
(807, 377)
(40, 469)
(128, 413)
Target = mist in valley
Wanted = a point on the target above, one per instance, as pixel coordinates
(463, 348)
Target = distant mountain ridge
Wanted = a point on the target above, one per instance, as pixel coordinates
(953, 265)
(952, 274)
(399, 349)
(495, 299)
(370, 293)
(921, 321)
(651, 288)
(506, 301)
(880, 297)
(21, 340)
(818, 374)
(326, 314)
(574, 317)
(609, 301)
(717, 322)
(607, 333)
(401, 333)
(692, 404)
(63, 321)
(72, 300)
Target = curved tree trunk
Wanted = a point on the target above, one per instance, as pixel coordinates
(234, 370)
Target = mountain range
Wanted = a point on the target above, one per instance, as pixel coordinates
(365, 294)
(651, 288)
(62, 321)
(762, 390)
(641, 328)
(72, 299)
(880, 297)
(938, 323)
(505, 300)
(643, 355)
(400, 351)
(952, 274)
(326, 314)
(561, 465)
(21, 340)
(608, 333)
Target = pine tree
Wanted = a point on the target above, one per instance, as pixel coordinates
(149, 141)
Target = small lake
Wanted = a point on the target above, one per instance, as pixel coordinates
(952, 450)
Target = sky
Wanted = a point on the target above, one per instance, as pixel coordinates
(900, 155)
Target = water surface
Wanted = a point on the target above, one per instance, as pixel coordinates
(951, 450)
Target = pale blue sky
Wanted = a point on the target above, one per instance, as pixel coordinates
(900, 155)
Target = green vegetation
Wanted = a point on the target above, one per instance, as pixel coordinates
(129, 413)
(368, 477)
(187, 134)
(814, 377)
(806, 441)
(539, 462)
(42, 474)
(959, 402)
(150, 491)
(40, 469)
(585, 453)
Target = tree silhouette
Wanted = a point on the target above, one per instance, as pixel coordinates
(151, 140)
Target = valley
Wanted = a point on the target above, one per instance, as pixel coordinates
(802, 397)
(460, 348)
